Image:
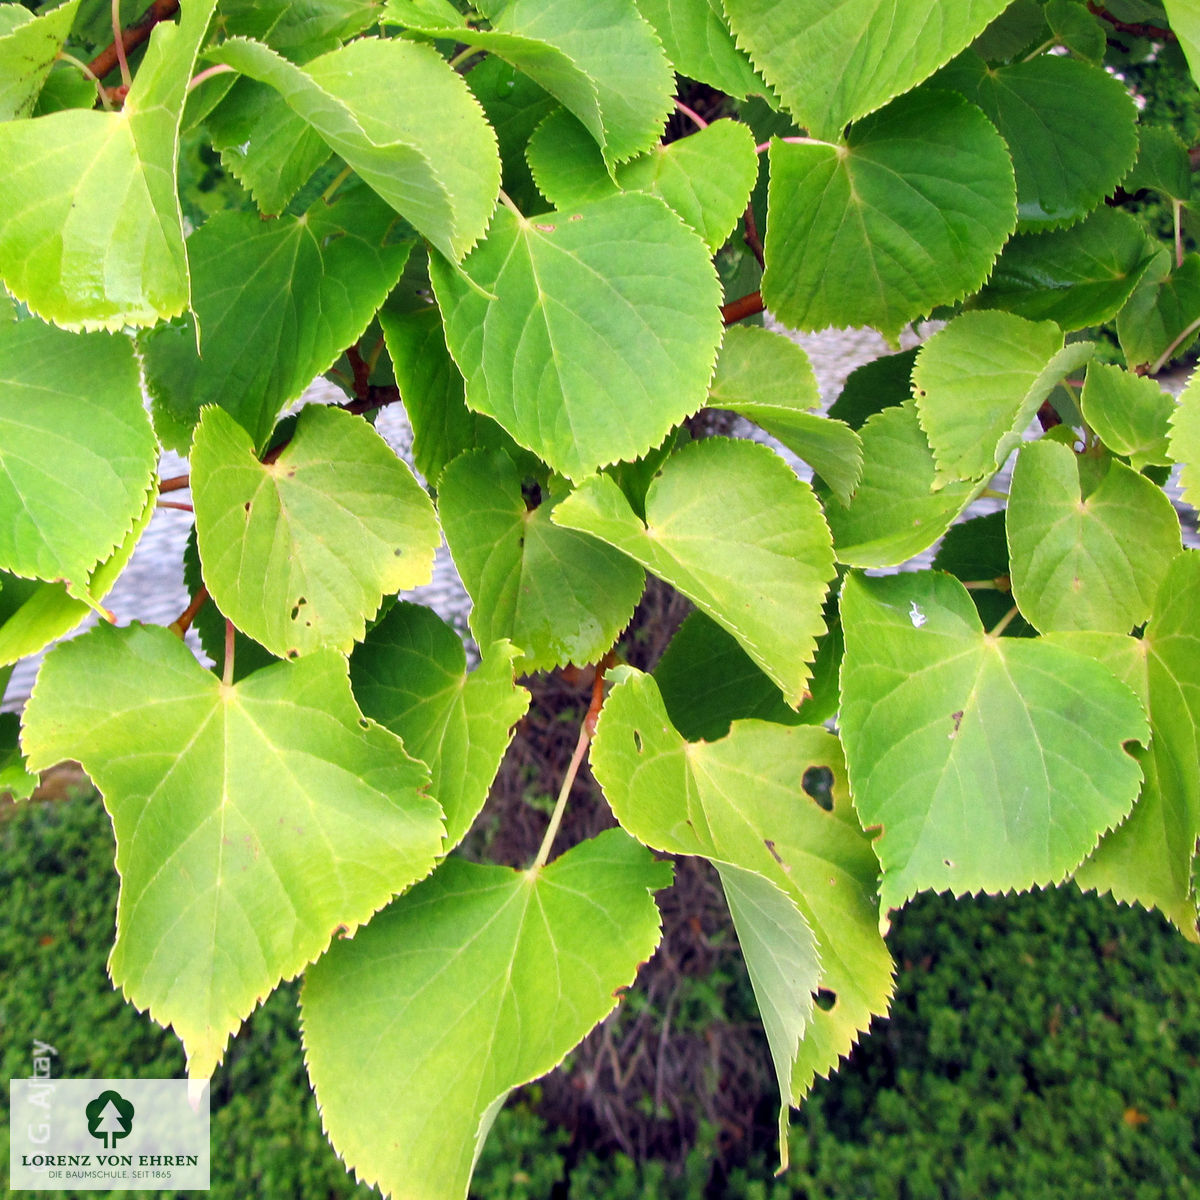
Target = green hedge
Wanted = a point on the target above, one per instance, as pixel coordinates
(1039, 1046)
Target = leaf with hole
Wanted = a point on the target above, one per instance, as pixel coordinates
(395, 1019)
(910, 213)
(1088, 540)
(410, 675)
(600, 335)
(728, 524)
(252, 821)
(739, 802)
(989, 764)
(333, 524)
(559, 595)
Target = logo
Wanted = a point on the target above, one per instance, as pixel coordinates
(109, 1118)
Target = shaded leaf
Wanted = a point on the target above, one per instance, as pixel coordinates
(277, 302)
(77, 452)
(1162, 164)
(1075, 277)
(332, 525)
(832, 64)
(252, 820)
(1161, 320)
(369, 101)
(394, 1021)
(90, 229)
(602, 333)
(15, 781)
(881, 383)
(1071, 128)
(730, 526)
(1088, 544)
(560, 596)
(908, 214)
(978, 383)
(1003, 775)
(738, 801)
(410, 675)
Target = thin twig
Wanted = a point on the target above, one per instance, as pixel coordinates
(110, 57)
(1136, 29)
(691, 114)
(586, 729)
(750, 235)
(208, 73)
(119, 43)
(177, 483)
(227, 673)
(183, 622)
(175, 504)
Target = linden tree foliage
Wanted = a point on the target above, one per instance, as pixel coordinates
(548, 229)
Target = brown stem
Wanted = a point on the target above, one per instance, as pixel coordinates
(110, 57)
(184, 621)
(750, 236)
(741, 308)
(1131, 27)
(177, 483)
(175, 504)
(362, 372)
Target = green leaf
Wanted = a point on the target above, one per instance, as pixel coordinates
(978, 383)
(767, 378)
(333, 524)
(252, 821)
(410, 675)
(566, 164)
(277, 302)
(730, 526)
(1088, 541)
(28, 49)
(1185, 21)
(1185, 440)
(602, 61)
(1162, 164)
(1075, 277)
(707, 680)
(705, 177)
(698, 41)
(832, 64)
(299, 30)
(266, 146)
(910, 213)
(479, 980)
(1162, 318)
(370, 101)
(602, 333)
(739, 801)
(896, 510)
(90, 230)
(1003, 775)
(1078, 29)
(33, 614)
(77, 453)
(976, 552)
(1148, 859)
(15, 781)
(1130, 413)
(560, 596)
(1071, 128)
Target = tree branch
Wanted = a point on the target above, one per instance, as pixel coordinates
(1154, 32)
(110, 57)
(741, 308)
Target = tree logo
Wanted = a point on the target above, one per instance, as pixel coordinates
(109, 1117)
